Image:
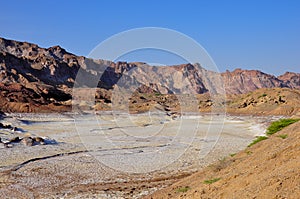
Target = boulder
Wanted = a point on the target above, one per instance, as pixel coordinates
(27, 141)
(39, 140)
(15, 140)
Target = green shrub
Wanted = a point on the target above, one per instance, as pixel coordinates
(211, 180)
(232, 154)
(263, 95)
(258, 139)
(221, 164)
(183, 189)
(280, 124)
(283, 136)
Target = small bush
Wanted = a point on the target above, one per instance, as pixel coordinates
(283, 136)
(263, 95)
(258, 139)
(183, 189)
(221, 164)
(280, 124)
(232, 154)
(211, 180)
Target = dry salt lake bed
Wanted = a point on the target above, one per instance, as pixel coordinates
(115, 155)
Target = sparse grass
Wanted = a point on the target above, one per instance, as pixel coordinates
(280, 124)
(232, 154)
(275, 127)
(183, 189)
(263, 95)
(221, 164)
(283, 136)
(222, 159)
(258, 139)
(210, 181)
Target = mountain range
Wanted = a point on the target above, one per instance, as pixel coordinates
(45, 77)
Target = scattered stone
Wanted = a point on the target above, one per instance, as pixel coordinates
(173, 115)
(5, 145)
(39, 140)
(2, 145)
(27, 141)
(27, 135)
(15, 140)
(5, 126)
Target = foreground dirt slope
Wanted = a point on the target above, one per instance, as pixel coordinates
(269, 169)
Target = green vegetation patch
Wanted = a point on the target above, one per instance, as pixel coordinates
(283, 136)
(183, 189)
(280, 124)
(232, 154)
(210, 181)
(258, 139)
(263, 95)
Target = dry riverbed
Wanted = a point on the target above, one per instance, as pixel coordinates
(115, 155)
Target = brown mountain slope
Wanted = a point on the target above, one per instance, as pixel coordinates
(265, 101)
(244, 81)
(291, 79)
(47, 77)
(268, 169)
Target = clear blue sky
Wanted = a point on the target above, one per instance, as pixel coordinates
(250, 34)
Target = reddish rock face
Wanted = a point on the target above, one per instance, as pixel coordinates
(31, 74)
(243, 81)
(292, 80)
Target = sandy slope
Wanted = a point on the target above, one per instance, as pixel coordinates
(269, 169)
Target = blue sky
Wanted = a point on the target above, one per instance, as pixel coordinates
(249, 34)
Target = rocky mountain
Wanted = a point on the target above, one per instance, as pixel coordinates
(243, 81)
(31, 75)
(292, 80)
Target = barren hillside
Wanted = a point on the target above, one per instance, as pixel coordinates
(36, 79)
(268, 169)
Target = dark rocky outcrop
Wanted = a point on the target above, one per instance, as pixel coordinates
(27, 141)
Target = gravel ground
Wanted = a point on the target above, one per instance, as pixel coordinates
(115, 156)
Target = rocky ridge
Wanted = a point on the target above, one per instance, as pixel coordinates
(35, 79)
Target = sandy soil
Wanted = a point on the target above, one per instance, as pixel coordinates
(269, 169)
